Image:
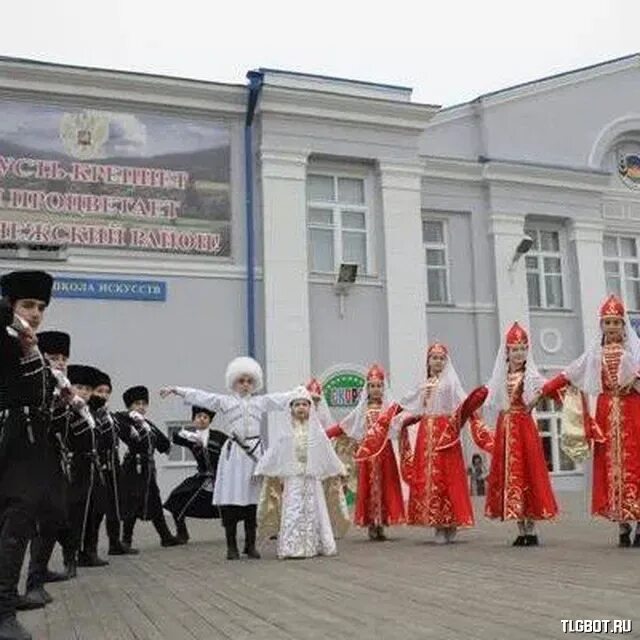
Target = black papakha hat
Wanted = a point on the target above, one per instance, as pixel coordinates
(19, 285)
(135, 393)
(196, 410)
(54, 342)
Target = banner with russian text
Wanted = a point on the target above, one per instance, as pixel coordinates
(92, 177)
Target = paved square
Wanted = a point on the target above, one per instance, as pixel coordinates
(478, 588)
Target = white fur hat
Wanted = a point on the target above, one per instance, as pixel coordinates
(300, 393)
(244, 366)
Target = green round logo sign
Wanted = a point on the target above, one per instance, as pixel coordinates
(343, 389)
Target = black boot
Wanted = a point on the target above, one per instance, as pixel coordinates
(90, 559)
(182, 533)
(14, 537)
(531, 540)
(11, 629)
(250, 526)
(232, 543)
(167, 539)
(37, 595)
(54, 576)
(520, 541)
(30, 600)
(127, 536)
(624, 539)
(70, 564)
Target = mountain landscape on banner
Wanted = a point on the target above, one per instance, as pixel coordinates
(207, 164)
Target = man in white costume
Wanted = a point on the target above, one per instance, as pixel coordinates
(302, 457)
(239, 416)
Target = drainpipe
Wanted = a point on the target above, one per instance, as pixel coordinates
(255, 79)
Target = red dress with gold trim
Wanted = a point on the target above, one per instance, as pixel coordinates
(435, 471)
(616, 458)
(519, 487)
(379, 500)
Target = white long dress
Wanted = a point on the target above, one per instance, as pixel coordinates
(302, 457)
(235, 481)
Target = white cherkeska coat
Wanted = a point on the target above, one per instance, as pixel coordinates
(235, 483)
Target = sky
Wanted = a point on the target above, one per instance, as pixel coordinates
(448, 52)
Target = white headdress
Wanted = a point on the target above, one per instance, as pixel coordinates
(443, 399)
(244, 366)
(533, 380)
(280, 460)
(300, 393)
(585, 373)
(355, 423)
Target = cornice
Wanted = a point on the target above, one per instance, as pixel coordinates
(345, 108)
(502, 171)
(89, 84)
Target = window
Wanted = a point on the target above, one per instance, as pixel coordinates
(549, 426)
(544, 270)
(177, 453)
(622, 269)
(434, 237)
(338, 222)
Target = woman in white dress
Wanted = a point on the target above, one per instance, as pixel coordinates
(302, 457)
(238, 415)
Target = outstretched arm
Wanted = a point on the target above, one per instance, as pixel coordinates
(197, 397)
(273, 401)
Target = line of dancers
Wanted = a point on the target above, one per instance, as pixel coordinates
(61, 474)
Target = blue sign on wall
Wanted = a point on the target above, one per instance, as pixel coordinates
(147, 290)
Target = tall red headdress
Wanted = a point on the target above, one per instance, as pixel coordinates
(612, 307)
(314, 387)
(375, 373)
(517, 336)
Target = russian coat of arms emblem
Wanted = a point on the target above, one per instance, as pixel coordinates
(629, 169)
(85, 133)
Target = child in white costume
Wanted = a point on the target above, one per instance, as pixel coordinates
(302, 457)
(239, 414)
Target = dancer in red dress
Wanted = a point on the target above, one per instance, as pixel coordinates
(379, 501)
(434, 469)
(519, 487)
(609, 370)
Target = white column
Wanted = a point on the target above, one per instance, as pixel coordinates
(406, 285)
(587, 239)
(286, 288)
(587, 236)
(511, 281)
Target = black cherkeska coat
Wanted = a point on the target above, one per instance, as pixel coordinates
(193, 497)
(31, 477)
(139, 492)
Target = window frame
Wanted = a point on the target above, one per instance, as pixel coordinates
(336, 207)
(187, 460)
(443, 246)
(554, 417)
(621, 262)
(536, 227)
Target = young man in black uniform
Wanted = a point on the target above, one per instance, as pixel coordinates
(109, 456)
(140, 491)
(29, 463)
(87, 487)
(55, 346)
(193, 497)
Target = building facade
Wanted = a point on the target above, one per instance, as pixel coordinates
(132, 190)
